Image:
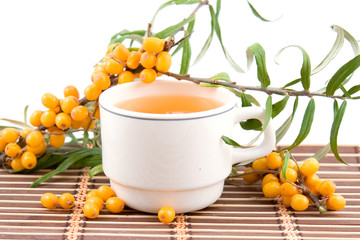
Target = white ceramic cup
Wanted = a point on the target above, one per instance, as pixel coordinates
(177, 160)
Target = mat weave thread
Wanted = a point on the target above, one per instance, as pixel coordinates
(242, 212)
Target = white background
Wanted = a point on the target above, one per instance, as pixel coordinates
(46, 45)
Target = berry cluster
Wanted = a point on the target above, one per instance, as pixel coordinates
(95, 201)
(301, 186)
(70, 113)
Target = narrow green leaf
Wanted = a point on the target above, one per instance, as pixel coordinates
(251, 124)
(88, 162)
(221, 76)
(258, 51)
(279, 106)
(186, 56)
(171, 2)
(25, 113)
(95, 170)
(218, 34)
(335, 130)
(268, 111)
(305, 125)
(292, 83)
(64, 165)
(322, 152)
(285, 164)
(245, 102)
(253, 100)
(305, 71)
(133, 37)
(354, 89)
(335, 107)
(17, 123)
(257, 14)
(343, 89)
(174, 28)
(339, 42)
(126, 32)
(281, 131)
(340, 76)
(229, 141)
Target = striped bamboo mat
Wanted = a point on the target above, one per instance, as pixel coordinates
(241, 212)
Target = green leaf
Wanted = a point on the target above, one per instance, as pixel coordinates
(126, 32)
(17, 123)
(335, 130)
(335, 107)
(340, 76)
(88, 162)
(256, 13)
(95, 170)
(186, 56)
(136, 35)
(245, 102)
(281, 131)
(354, 89)
(292, 83)
(305, 125)
(208, 40)
(221, 76)
(174, 28)
(169, 3)
(133, 37)
(218, 34)
(257, 50)
(64, 165)
(305, 71)
(279, 106)
(322, 152)
(285, 164)
(25, 113)
(229, 141)
(49, 159)
(251, 124)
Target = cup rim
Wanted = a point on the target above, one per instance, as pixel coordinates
(229, 105)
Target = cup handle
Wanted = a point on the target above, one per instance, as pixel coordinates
(268, 142)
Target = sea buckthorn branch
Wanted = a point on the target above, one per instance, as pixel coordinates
(243, 88)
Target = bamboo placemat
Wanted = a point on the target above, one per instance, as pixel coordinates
(241, 212)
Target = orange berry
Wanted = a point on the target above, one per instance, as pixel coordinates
(121, 52)
(335, 202)
(269, 178)
(271, 189)
(34, 139)
(16, 164)
(250, 178)
(291, 175)
(286, 200)
(49, 200)
(101, 80)
(97, 113)
(148, 75)
(71, 90)
(79, 113)
(112, 66)
(287, 189)
(9, 135)
(163, 61)
(91, 210)
(259, 164)
(273, 160)
(148, 60)
(311, 180)
(327, 187)
(126, 76)
(28, 160)
(75, 124)
(12, 149)
(63, 121)
(40, 149)
(166, 215)
(133, 59)
(35, 118)
(309, 167)
(292, 164)
(97, 200)
(88, 123)
(92, 193)
(69, 103)
(48, 118)
(153, 44)
(50, 100)
(2, 144)
(299, 202)
(66, 200)
(106, 192)
(57, 140)
(115, 204)
(92, 92)
(24, 132)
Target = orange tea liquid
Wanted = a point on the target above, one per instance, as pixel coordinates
(169, 104)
